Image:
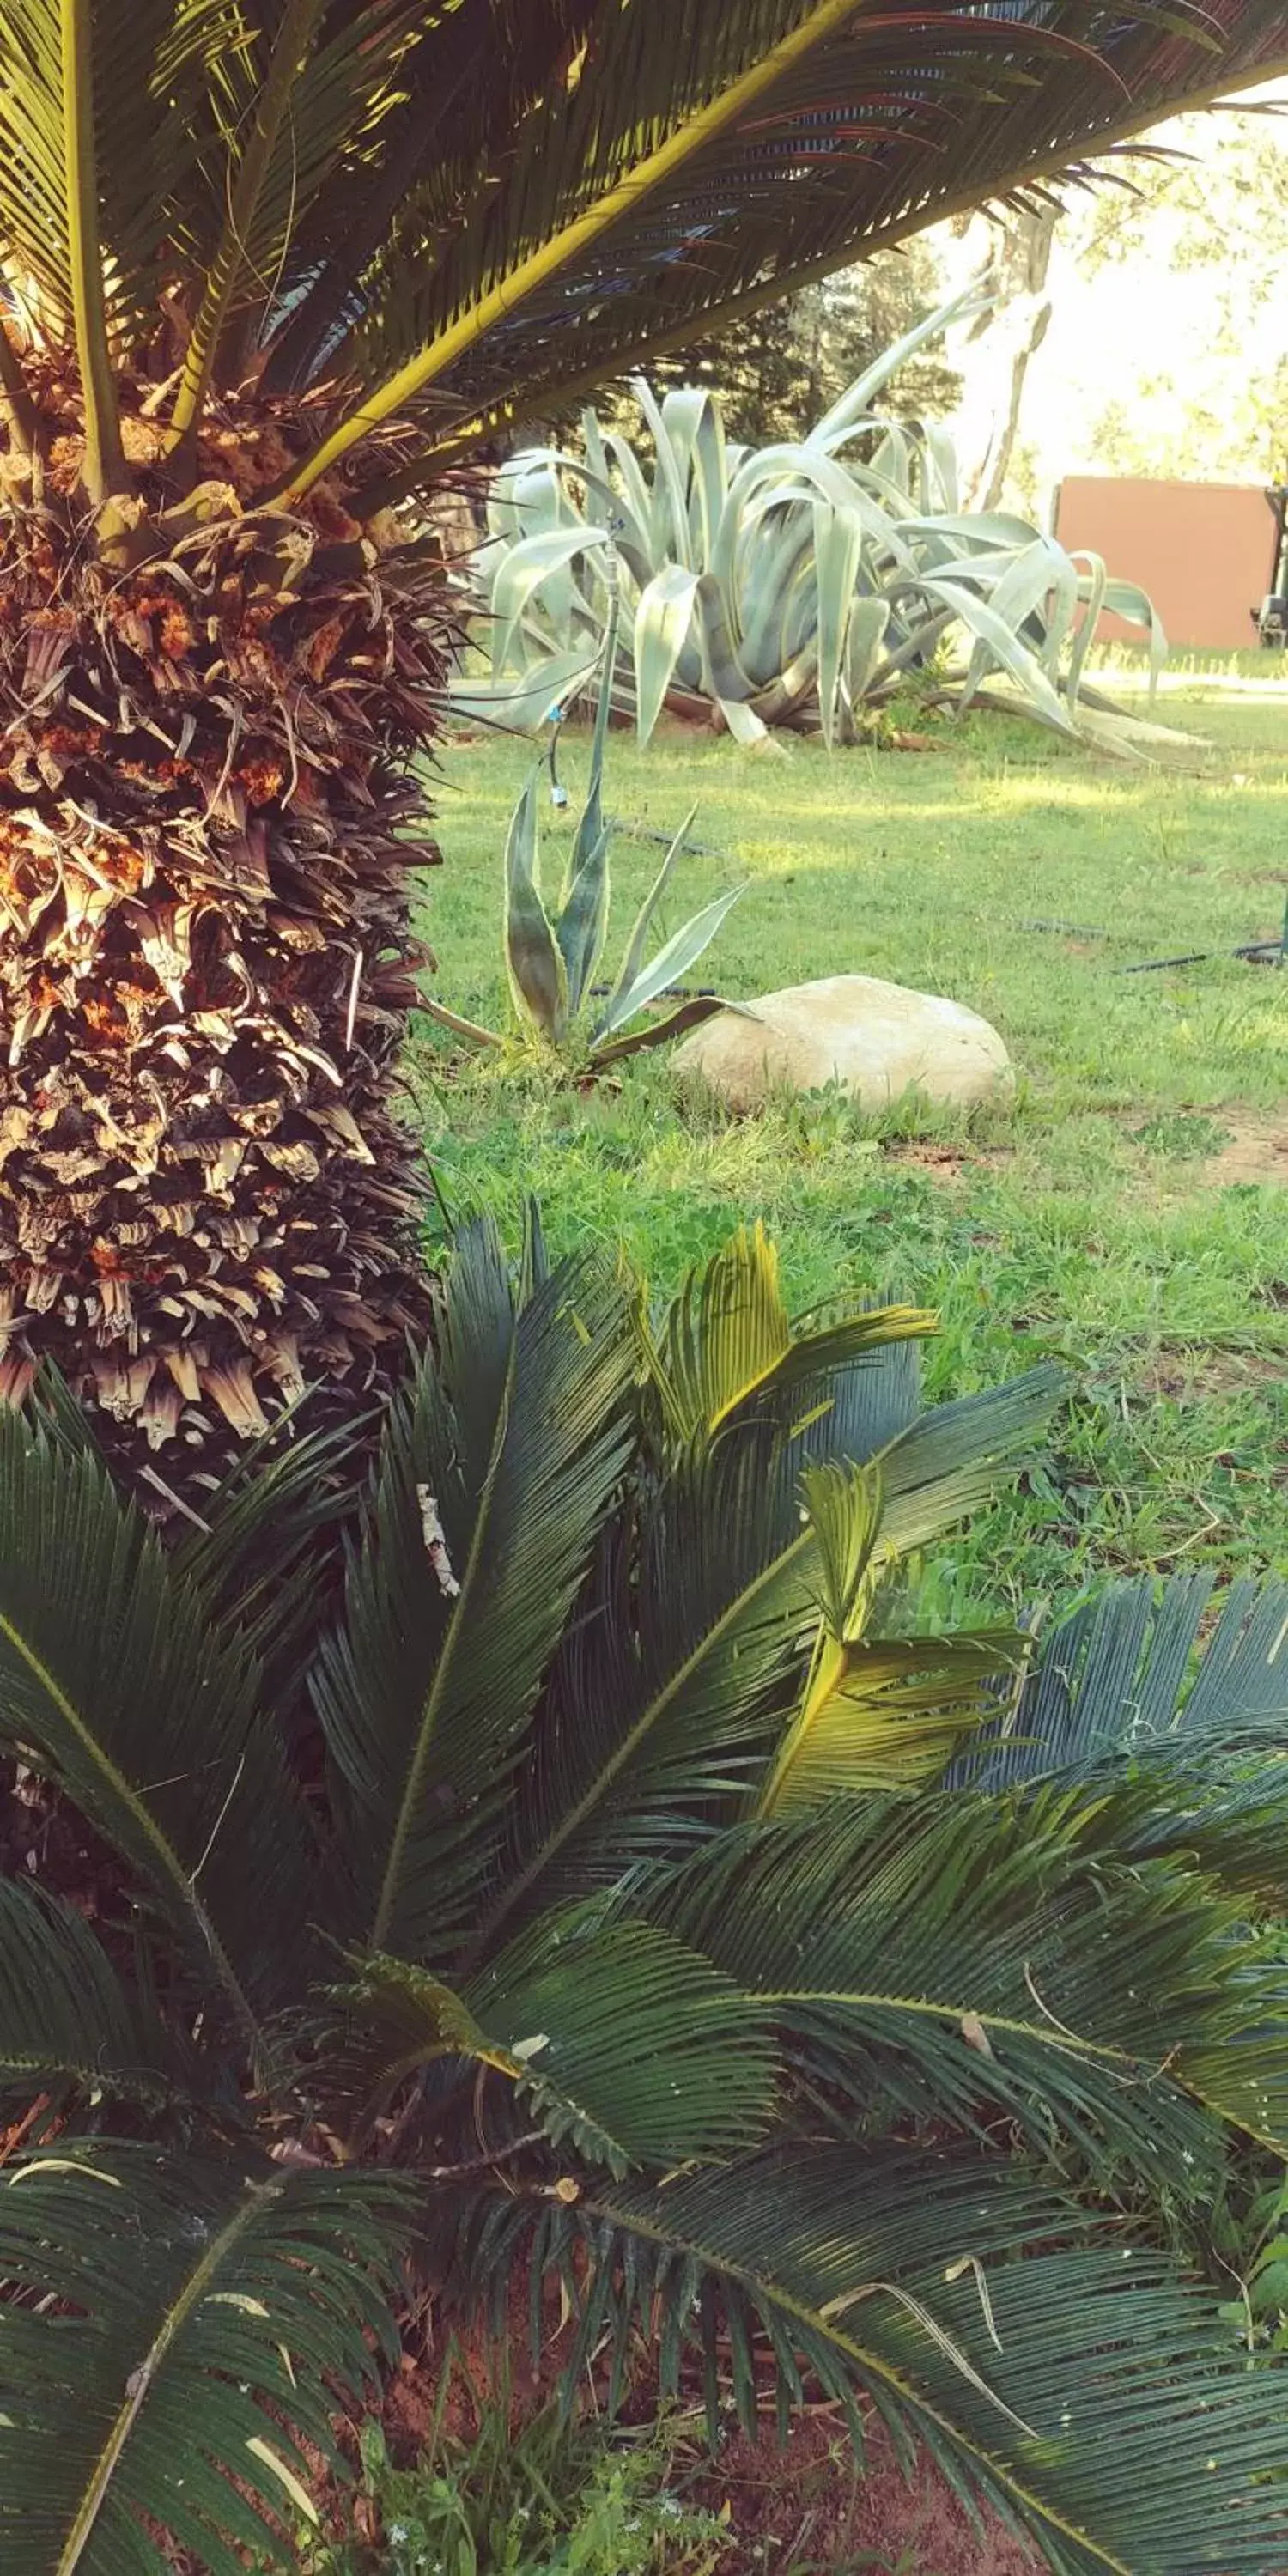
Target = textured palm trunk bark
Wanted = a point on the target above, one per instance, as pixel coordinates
(208, 815)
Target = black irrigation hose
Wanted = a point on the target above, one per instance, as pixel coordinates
(1256, 952)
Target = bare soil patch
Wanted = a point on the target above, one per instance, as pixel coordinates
(1187, 1374)
(802, 2509)
(1256, 1153)
(943, 1163)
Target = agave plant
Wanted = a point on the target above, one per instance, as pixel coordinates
(265, 266)
(793, 585)
(552, 959)
(646, 1927)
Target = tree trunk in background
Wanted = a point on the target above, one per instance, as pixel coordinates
(996, 353)
(207, 1204)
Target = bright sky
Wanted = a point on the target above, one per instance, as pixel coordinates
(1161, 340)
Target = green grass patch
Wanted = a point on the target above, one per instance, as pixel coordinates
(1129, 1211)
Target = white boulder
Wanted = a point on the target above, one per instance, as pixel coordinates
(878, 1040)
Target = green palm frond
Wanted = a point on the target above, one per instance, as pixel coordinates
(617, 2037)
(113, 1685)
(693, 162)
(148, 80)
(460, 216)
(1077, 2390)
(66, 2017)
(1121, 1676)
(948, 1461)
(676, 1676)
(727, 1341)
(494, 1478)
(1180, 1732)
(305, 95)
(205, 2316)
(886, 1713)
(876, 1712)
(960, 1949)
(266, 1536)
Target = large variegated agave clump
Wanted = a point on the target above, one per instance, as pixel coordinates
(791, 585)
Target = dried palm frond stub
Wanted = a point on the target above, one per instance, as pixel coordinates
(206, 1202)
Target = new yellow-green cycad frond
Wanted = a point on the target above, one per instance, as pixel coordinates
(876, 1713)
(728, 1338)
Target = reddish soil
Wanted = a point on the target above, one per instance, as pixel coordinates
(801, 2508)
(804, 2510)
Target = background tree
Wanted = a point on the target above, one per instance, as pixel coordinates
(997, 346)
(1217, 218)
(1144, 325)
(778, 371)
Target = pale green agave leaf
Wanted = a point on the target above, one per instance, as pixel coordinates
(522, 703)
(838, 550)
(857, 398)
(534, 962)
(662, 622)
(529, 564)
(680, 953)
(1004, 648)
(1127, 600)
(869, 621)
(633, 960)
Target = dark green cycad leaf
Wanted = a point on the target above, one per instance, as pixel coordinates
(949, 1461)
(494, 1478)
(1118, 1678)
(949, 1954)
(635, 2046)
(1085, 2392)
(679, 1669)
(66, 2017)
(614, 2037)
(270, 1550)
(175, 2331)
(117, 1689)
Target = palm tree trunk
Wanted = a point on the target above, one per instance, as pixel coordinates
(207, 1204)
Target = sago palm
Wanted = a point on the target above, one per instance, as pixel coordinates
(664, 1921)
(265, 267)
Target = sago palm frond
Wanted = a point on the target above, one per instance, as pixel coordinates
(652, 1920)
(67, 2018)
(495, 1475)
(207, 2316)
(265, 265)
(487, 204)
(1073, 2387)
(113, 1684)
(1120, 1678)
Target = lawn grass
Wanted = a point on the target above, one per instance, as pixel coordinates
(1123, 1213)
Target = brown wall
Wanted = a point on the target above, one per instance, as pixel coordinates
(1202, 550)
